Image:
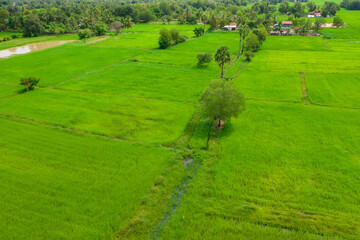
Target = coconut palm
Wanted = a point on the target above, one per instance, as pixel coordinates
(222, 56)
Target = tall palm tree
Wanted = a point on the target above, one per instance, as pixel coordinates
(222, 56)
(243, 32)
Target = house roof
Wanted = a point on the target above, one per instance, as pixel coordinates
(287, 22)
(232, 24)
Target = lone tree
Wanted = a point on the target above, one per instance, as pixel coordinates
(222, 56)
(203, 59)
(116, 27)
(85, 33)
(221, 101)
(337, 22)
(29, 82)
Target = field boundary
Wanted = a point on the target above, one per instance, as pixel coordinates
(82, 132)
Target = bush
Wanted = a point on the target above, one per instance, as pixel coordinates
(85, 33)
(199, 31)
(15, 36)
(253, 43)
(204, 58)
(248, 55)
(100, 28)
(6, 38)
(175, 36)
(183, 38)
(165, 39)
(1, 39)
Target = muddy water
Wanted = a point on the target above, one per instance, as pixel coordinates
(30, 48)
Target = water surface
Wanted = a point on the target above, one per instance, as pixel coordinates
(30, 48)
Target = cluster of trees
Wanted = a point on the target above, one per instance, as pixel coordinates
(350, 4)
(170, 38)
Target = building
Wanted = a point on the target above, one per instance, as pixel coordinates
(314, 14)
(286, 24)
(231, 27)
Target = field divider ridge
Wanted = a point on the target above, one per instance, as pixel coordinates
(82, 132)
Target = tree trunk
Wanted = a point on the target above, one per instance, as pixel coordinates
(27, 88)
(243, 46)
(222, 70)
(239, 47)
(219, 125)
(204, 28)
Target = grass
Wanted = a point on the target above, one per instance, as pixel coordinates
(75, 59)
(157, 81)
(87, 185)
(334, 89)
(127, 118)
(285, 168)
(280, 166)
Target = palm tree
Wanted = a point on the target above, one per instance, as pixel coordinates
(222, 56)
(127, 22)
(243, 32)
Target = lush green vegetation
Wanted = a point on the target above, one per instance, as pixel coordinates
(112, 143)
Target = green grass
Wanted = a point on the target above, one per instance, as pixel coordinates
(132, 40)
(127, 118)
(281, 170)
(334, 89)
(61, 63)
(160, 81)
(294, 43)
(9, 90)
(350, 17)
(270, 85)
(60, 185)
(280, 165)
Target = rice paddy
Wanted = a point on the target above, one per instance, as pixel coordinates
(109, 145)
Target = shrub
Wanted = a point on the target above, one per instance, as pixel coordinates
(199, 31)
(100, 28)
(85, 33)
(6, 38)
(175, 36)
(204, 58)
(338, 22)
(1, 39)
(29, 82)
(183, 38)
(15, 36)
(248, 55)
(165, 39)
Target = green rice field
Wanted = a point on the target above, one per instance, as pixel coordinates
(109, 145)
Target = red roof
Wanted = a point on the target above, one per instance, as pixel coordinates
(287, 22)
(232, 23)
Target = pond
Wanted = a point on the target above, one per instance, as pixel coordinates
(30, 48)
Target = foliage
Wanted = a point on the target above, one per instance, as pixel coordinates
(116, 27)
(244, 31)
(319, 21)
(183, 38)
(85, 34)
(350, 4)
(165, 39)
(248, 55)
(175, 36)
(222, 56)
(338, 22)
(221, 101)
(252, 43)
(311, 6)
(199, 31)
(29, 82)
(204, 58)
(32, 25)
(329, 8)
(100, 29)
(305, 28)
